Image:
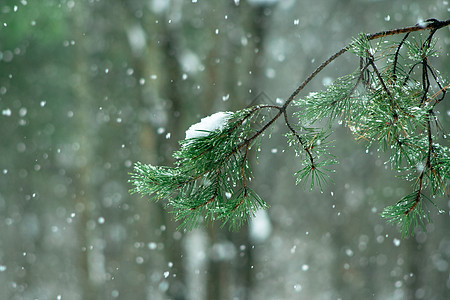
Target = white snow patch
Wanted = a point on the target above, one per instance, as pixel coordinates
(244, 41)
(396, 242)
(270, 73)
(420, 167)
(421, 23)
(260, 227)
(6, 112)
(208, 124)
(22, 113)
(349, 252)
(139, 260)
(190, 62)
(159, 6)
(327, 81)
(223, 251)
(137, 39)
(298, 287)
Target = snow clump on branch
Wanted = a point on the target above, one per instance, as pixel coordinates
(208, 124)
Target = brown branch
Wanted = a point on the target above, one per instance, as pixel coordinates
(427, 166)
(417, 200)
(425, 80)
(205, 203)
(314, 74)
(372, 63)
(431, 24)
(242, 201)
(259, 132)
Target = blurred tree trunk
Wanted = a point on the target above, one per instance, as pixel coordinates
(170, 92)
(232, 278)
(85, 135)
(415, 268)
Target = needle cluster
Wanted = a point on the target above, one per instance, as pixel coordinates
(211, 175)
(390, 103)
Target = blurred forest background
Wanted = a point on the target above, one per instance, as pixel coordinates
(89, 87)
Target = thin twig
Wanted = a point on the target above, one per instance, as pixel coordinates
(410, 72)
(244, 180)
(394, 75)
(371, 62)
(425, 79)
(311, 159)
(431, 24)
(360, 77)
(442, 89)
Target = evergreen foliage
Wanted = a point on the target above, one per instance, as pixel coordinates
(389, 102)
(210, 179)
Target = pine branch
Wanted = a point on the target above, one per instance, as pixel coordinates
(381, 103)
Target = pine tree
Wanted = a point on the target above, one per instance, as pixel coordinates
(389, 101)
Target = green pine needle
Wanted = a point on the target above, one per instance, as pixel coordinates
(408, 213)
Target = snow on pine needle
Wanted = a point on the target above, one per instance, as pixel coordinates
(208, 124)
(210, 179)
